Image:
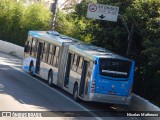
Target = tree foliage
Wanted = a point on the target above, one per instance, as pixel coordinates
(141, 16)
(16, 19)
(144, 16)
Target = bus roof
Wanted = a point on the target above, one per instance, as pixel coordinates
(88, 50)
(92, 52)
(52, 37)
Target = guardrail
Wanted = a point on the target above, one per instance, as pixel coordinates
(137, 103)
(140, 104)
(11, 49)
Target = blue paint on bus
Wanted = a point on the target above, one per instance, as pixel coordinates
(101, 76)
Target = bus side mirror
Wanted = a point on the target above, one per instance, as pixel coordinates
(25, 48)
(95, 62)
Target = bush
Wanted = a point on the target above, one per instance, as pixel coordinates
(16, 19)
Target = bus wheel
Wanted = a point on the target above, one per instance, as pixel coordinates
(75, 93)
(50, 78)
(31, 68)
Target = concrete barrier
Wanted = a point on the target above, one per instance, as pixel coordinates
(140, 104)
(11, 49)
(137, 103)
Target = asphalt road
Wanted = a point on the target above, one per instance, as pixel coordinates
(20, 92)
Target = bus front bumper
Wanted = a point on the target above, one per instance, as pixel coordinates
(109, 98)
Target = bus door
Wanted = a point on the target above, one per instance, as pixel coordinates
(83, 78)
(66, 81)
(39, 52)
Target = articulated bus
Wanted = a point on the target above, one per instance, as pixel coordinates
(88, 72)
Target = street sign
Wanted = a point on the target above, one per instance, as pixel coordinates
(102, 12)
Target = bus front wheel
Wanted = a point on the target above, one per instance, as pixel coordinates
(50, 78)
(75, 93)
(31, 68)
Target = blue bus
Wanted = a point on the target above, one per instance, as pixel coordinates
(88, 72)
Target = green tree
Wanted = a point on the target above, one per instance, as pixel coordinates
(16, 19)
(64, 23)
(146, 20)
(143, 18)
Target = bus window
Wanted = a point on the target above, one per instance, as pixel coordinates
(91, 65)
(80, 62)
(79, 69)
(50, 54)
(54, 60)
(114, 68)
(29, 38)
(52, 49)
(30, 44)
(44, 52)
(78, 59)
(36, 47)
(33, 48)
(55, 57)
(29, 47)
(47, 52)
(74, 66)
(57, 52)
(75, 60)
(88, 76)
(26, 48)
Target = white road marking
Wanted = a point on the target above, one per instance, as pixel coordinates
(20, 70)
(21, 101)
(1, 85)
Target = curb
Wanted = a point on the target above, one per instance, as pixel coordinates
(137, 103)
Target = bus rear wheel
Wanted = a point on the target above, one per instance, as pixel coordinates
(75, 93)
(31, 68)
(50, 79)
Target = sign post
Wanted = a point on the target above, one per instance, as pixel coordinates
(109, 13)
(102, 12)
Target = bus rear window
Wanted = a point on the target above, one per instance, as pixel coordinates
(114, 68)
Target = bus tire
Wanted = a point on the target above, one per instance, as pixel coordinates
(75, 93)
(31, 69)
(50, 78)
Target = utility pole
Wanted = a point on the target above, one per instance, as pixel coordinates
(130, 36)
(54, 7)
(130, 39)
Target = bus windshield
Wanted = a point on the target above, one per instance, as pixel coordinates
(114, 67)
